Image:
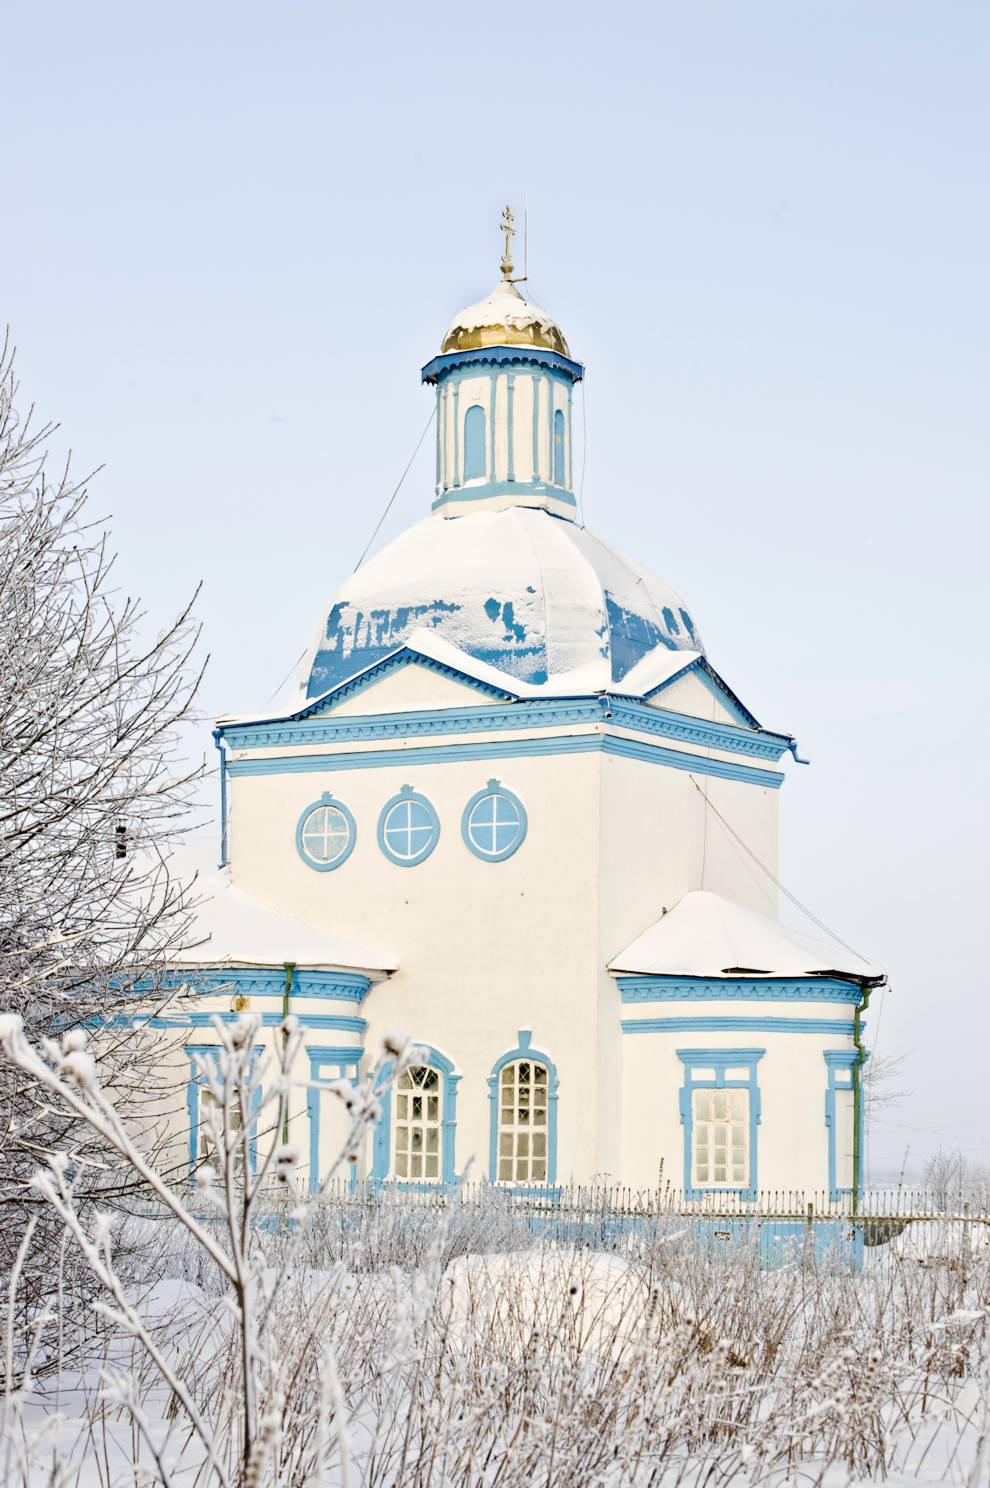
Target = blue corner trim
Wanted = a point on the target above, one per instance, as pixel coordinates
(611, 744)
(426, 821)
(326, 800)
(501, 356)
(737, 1025)
(718, 1062)
(524, 1050)
(493, 791)
(382, 1148)
(729, 989)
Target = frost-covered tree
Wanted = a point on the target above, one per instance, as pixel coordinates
(92, 794)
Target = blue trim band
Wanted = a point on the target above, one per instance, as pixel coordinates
(726, 989)
(652, 754)
(737, 1025)
(325, 728)
(501, 356)
(340, 1022)
(238, 981)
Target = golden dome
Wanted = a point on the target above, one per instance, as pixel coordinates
(504, 318)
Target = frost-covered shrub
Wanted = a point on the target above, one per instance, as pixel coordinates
(255, 1335)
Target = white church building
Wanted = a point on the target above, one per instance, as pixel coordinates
(515, 813)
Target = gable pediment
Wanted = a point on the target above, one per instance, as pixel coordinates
(406, 682)
(693, 693)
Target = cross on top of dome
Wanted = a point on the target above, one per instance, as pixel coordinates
(509, 230)
(505, 317)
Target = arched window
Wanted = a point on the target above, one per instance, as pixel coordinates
(559, 476)
(415, 1138)
(474, 442)
(522, 1122)
(418, 1123)
(523, 1094)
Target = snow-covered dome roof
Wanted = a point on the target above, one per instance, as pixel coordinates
(531, 595)
(504, 318)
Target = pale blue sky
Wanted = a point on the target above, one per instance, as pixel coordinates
(232, 233)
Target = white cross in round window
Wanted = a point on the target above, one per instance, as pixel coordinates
(494, 823)
(408, 829)
(325, 834)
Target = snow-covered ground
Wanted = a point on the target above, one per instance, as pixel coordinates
(464, 1353)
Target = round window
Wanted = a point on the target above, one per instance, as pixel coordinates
(325, 834)
(408, 828)
(494, 823)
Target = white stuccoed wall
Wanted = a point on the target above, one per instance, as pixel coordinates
(792, 1137)
(487, 949)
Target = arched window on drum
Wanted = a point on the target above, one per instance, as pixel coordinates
(559, 455)
(474, 442)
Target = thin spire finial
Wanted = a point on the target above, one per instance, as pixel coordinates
(509, 230)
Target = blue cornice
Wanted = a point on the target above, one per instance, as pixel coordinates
(826, 1026)
(338, 1054)
(725, 989)
(501, 356)
(761, 744)
(612, 744)
(321, 727)
(238, 981)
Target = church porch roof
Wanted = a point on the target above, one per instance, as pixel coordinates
(232, 928)
(706, 935)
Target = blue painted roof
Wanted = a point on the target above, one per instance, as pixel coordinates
(531, 595)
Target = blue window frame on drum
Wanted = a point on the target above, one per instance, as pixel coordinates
(325, 834)
(494, 823)
(408, 828)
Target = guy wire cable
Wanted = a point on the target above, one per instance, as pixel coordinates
(388, 507)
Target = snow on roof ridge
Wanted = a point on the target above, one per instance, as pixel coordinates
(231, 927)
(707, 935)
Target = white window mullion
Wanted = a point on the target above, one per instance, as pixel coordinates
(418, 1124)
(522, 1122)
